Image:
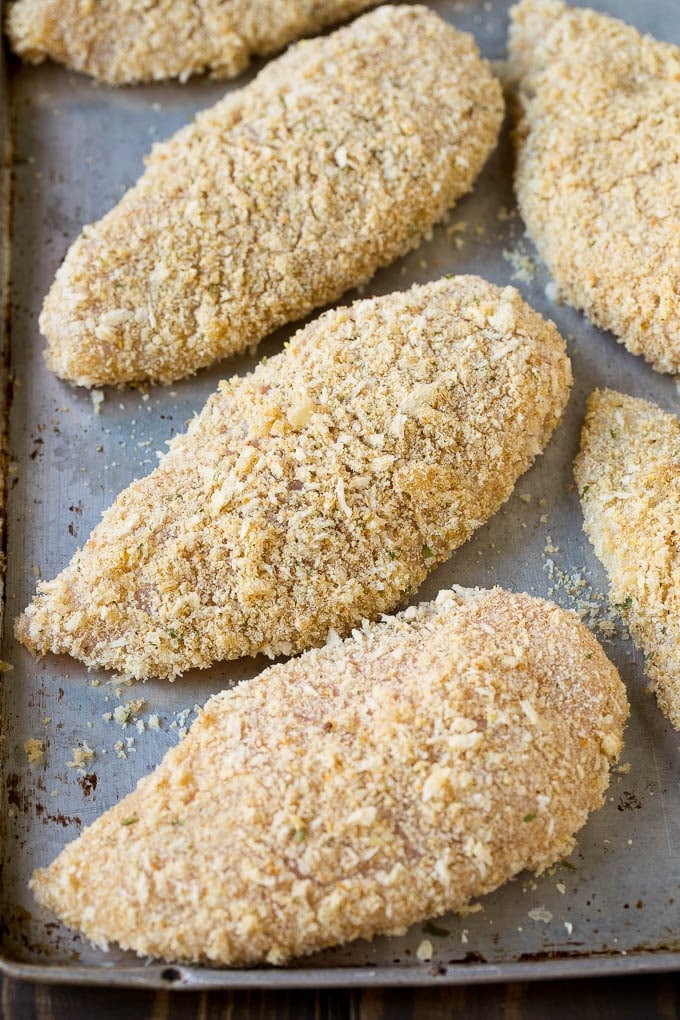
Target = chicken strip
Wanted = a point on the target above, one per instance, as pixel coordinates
(318, 490)
(357, 789)
(598, 169)
(124, 41)
(628, 477)
(338, 158)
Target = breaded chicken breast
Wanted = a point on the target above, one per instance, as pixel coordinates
(338, 158)
(598, 168)
(628, 476)
(124, 41)
(358, 789)
(318, 490)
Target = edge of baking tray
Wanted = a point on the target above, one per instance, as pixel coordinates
(5, 395)
(159, 975)
(5, 260)
(197, 979)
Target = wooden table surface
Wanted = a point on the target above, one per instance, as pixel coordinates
(652, 997)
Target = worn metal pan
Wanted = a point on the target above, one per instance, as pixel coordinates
(72, 147)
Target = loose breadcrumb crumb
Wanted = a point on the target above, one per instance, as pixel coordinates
(35, 750)
(541, 914)
(425, 952)
(82, 756)
(523, 266)
(124, 714)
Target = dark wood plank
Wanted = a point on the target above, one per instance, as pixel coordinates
(652, 997)
(21, 1001)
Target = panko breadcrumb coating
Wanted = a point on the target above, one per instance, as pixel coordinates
(628, 477)
(318, 490)
(598, 169)
(358, 789)
(125, 41)
(337, 159)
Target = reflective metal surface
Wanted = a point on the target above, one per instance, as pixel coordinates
(614, 906)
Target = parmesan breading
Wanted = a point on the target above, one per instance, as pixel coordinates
(357, 789)
(628, 476)
(318, 490)
(125, 41)
(598, 168)
(337, 159)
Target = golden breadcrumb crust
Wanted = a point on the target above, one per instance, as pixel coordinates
(126, 41)
(338, 158)
(319, 489)
(598, 168)
(628, 477)
(357, 789)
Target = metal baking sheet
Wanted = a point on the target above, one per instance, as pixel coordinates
(614, 905)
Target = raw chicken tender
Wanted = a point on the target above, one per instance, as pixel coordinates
(318, 490)
(598, 169)
(125, 41)
(628, 476)
(357, 789)
(337, 159)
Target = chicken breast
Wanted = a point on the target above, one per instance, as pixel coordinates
(598, 169)
(338, 158)
(318, 490)
(357, 789)
(628, 477)
(124, 41)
